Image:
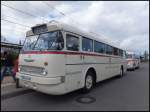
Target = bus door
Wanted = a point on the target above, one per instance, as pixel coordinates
(73, 61)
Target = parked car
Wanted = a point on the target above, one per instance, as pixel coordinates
(133, 61)
(138, 61)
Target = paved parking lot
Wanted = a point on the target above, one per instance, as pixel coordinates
(130, 92)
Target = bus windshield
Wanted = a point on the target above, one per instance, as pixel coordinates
(46, 41)
(29, 43)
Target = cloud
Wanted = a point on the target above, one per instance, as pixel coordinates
(119, 22)
(135, 43)
(124, 23)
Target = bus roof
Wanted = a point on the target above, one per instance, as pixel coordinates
(62, 26)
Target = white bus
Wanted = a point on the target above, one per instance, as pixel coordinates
(57, 58)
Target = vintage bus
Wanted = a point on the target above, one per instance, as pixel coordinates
(58, 58)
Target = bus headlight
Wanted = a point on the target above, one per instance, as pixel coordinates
(44, 72)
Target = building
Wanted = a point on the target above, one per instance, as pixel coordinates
(8, 46)
(5, 46)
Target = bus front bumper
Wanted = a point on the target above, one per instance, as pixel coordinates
(54, 86)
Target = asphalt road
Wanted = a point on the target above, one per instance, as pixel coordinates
(130, 92)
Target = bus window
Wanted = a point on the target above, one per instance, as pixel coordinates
(99, 47)
(87, 44)
(29, 43)
(115, 51)
(50, 41)
(109, 49)
(120, 52)
(72, 42)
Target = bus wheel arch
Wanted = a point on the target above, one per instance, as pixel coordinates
(94, 73)
(89, 80)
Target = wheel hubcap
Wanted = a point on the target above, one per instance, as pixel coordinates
(89, 82)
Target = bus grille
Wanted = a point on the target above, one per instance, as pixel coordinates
(31, 69)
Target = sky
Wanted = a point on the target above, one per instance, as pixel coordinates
(123, 23)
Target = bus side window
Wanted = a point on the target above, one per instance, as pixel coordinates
(72, 42)
(115, 51)
(99, 47)
(109, 50)
(87, 44)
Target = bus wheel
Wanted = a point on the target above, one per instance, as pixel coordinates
(89, 82)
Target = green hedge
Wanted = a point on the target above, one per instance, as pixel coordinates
(13, 55)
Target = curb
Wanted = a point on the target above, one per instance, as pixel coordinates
(7, 84)
(15, 93)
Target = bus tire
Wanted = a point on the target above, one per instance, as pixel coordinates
(89, 82)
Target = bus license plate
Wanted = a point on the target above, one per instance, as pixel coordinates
(25, 78)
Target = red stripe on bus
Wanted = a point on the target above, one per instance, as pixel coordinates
(65, 52)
